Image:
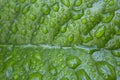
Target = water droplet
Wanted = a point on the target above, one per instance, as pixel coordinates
(63, 66)
(81, 74)
(17, 8)
(37, 56)
(32, 17)
(106, 70)
(84, 20)
(107, 17)
(100, 32)
(111, 3)
(33, 1)
(118, 63)
(73, 61)
(92, 18)
(89, 5)
(70, 37)
(26, 9)
(90, 64)
(35, 76)
(77, 2)
(87, 38)
(63, 28)
(88, 12)
(56, 7)
(64, 78)
(93, 70)
(8, 18)
(86, 0)
(23, 32)
(61, 60)
(16, 76)
(35, 33)
(41, 20)
(45, 9)
(44, 30)
(52, 24)
(14, 28)
(116, 52)
(105, 0)
(77, 15)
(118, 15)
(22, 1)
(118, 73)
(52, 70)
(37, 27)
(15, 0)
(66, 2)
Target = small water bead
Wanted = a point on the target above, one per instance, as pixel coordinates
(26, 9)
(106, 70)
(41, 20)
(35, 33)
(84, 20)
(92, 19)
(77, 15)
(66, 2)
(77, 2)
(52, 24)
(116, 52)
(32, 17)
(88, 12)
(8, 18)
(37, 27)
(63, 28)
(16, 76)
(100, 32)
(86, 0)
(89, 5)
(107, 17)
(87, 38)
(33, 1)
(64, 78)
(111, 3)
(35, 76)
(53, 70)
(81, 74)
(118, 63)
(44, 30)
(24, 32)
(14, 29)
(15, 0)
(17, 8)
(45, 9)
(118, 73)
(73, 61)
(70, 37)
(22, 1)
(56, 7)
